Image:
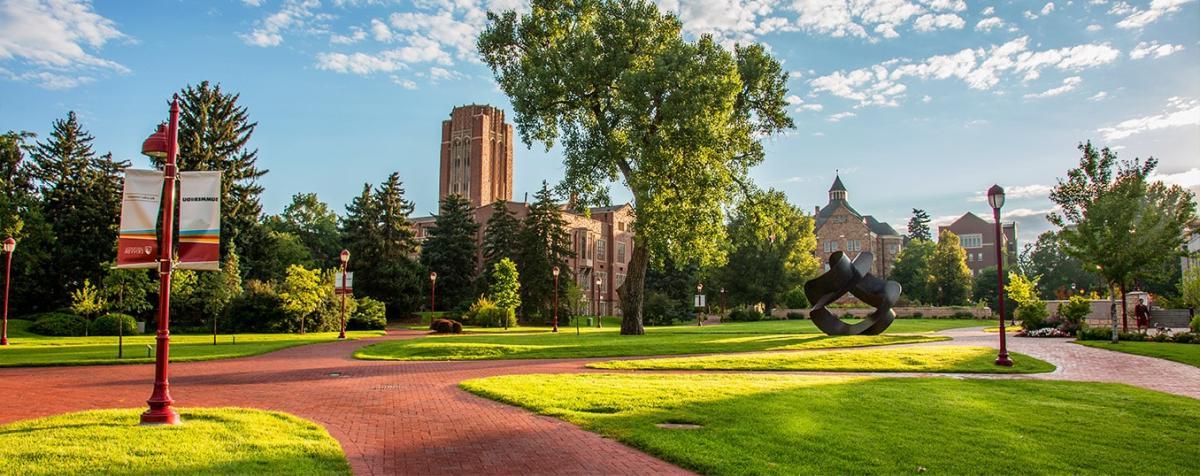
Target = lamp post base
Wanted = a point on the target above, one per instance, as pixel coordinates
(342, 335)
(1004, 360)
(160, 416)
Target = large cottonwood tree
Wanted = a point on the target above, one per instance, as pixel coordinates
(676, 122)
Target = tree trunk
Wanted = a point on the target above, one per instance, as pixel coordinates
(632, 292)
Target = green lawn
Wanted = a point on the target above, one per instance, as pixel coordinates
(1183, 353)
(943, 359)
(27, 349)
(784, 424)
(210, 441)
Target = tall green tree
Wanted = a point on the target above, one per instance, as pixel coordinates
(912, 271)
(1061, 274)
(676, 122)
(82, 192)
(501, 237)
(382, 242)
(544, 243)
(950, 282)
(772, 250)
(1117, 221)
(505, 290)
(1189, 287)
(214, 134)
(918, 226)
(128, 291)
(450, 251)
(22, 217)
(301, 294)
(316, 226)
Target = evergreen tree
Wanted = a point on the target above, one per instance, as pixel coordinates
(381, 241)
(450, 251)
(918, 226)
(950, 282)
(316, 226)
(82, 192)
(21, 217)
(544, 243)
(912, 271)
(214, 134)
(501, 236)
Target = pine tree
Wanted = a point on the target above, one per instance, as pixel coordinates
(381, 242)
(21, 217)
(912, 271)
(451, 252)
(214, 134)
(950, 282)
(918, 226)
(82, 192)
(544, 243)
(501, 236)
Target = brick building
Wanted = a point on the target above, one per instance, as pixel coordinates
(839, 227)
(477, 162)
(978, 237)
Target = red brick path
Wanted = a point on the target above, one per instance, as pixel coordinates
(390, 417)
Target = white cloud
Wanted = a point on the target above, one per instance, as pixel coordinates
(1049, 7)
(404, 83)
(253, 3)
(1180, 112)
(727, 20)
(931, 22)
(841, 115)
(1068, 85)
(356, 35)
(800, 105)
(1154, 49)
(1094, 27)
(1100, 96)
(1187, 179)
(818, 134)
(1139, 18)
(840, 18)
(988, 11)
(987, 24)
(293, 15)
(1018, 192)
(55, 39)
(1030, 15)
(1121, 8)
(926, 99)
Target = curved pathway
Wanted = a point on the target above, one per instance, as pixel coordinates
(411, 418)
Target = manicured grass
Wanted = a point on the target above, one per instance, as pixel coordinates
(782, 424)
(210, 441)
(27, 350)
(1007, 329)
(943, 359)
(1182, 353)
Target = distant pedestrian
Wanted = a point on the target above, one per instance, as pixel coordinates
(1142, 313)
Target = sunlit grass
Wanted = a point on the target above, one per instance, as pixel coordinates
(1182, 353)
(216, 441)
(787, 424)
(940, 359)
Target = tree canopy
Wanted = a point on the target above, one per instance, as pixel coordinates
(772, 245)
(451, 252)
(950, 282)
(918, 226)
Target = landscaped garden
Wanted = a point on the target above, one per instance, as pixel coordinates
(28, 349)
(777, 424)
(539, 343)
(939, 359)
(214, 441)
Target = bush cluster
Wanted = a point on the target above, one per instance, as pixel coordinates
(485, 313)
(114, 324)
(745, 315)
(58, 324)
(1033, 316)
(796, 316)
(659, 309)
(1104, 333)
(1195, 324)
(371, 315)
(446, 326)
(795, 298)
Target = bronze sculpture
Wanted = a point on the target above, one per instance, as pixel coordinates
(854, 278)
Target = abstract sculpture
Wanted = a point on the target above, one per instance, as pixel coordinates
(854, 278)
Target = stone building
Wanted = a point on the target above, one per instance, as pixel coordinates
(477, 162)
(839, 227)
(978, 237)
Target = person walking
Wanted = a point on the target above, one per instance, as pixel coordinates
(1141, 313)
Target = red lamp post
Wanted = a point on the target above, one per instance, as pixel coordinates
(9, 245)
(596, 292)
(554, 271)
(345, 257)
(432, 295)
(163, 144)
(996, 200)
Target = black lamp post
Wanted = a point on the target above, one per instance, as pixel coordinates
(996, 200)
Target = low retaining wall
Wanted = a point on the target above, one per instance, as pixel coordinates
(905, 311)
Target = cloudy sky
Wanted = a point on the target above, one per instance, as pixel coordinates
(918, 103)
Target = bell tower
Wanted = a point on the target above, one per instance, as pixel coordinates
(476, 156)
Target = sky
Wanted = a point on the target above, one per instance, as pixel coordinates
(916, 103)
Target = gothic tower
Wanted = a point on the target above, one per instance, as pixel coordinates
(477, 155)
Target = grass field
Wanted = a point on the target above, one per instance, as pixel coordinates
(215, 441)
(780, 424)
(1182, 353)
(940, 359)
(26, 349)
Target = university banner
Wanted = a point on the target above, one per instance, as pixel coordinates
(200, 220)
(137, 242)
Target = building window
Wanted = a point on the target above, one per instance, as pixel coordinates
(620, 226)
(831, 246)
(601, 249)
(603, 277)
(893, 248)
(621, 252)
(582, 245)
(454, 188)
(971, 241)
(620, 280)
(585, 283)
(853, 245)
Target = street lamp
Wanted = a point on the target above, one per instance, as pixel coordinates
(723, 301)
(163, 144)
(432, 295)
(554, 271)
(995, 197)
(596, 293)
(699, 288)
(345, 257)
(9, 245)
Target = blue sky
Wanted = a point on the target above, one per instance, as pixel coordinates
(919, 103)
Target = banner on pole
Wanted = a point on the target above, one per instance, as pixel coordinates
(337, 283)
(137, 242)
(200, 220)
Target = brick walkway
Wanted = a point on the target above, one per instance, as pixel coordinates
(411, 418)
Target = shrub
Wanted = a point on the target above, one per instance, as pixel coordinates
(796, 316)
(659, 309)
(918, 315)
(371, 315)
(1032, 315)
(59, 325)
(745, 315)
(795, 298)
(1188, 338)
(446, 326)
(1075, 310)
(107, 325)
(258, 309)
(1195, 324)
(962, 315)
(1093, 333)
(485, 313)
